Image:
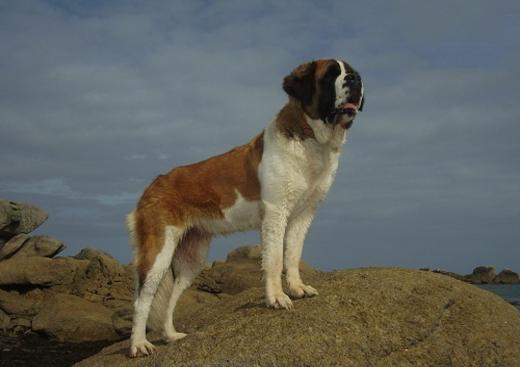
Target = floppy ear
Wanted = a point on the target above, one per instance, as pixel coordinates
(300, 83)
(362, 103)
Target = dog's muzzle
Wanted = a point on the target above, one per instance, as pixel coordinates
(347, 108)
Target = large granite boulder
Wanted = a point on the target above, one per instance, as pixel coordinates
(362, 317)
(69, 318)
(44, 246)
(482, 275)
(40, 271)
(19, 218)
(507, 276)
(9, 248)
(104, 280)
(22, 304)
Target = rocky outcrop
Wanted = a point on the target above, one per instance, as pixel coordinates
(44, 246)
(69, 299)
(482, 275)
(104, 280)
(18, 218)
(507, 276)
(362, 317)
(40, 271)
(22, 304)
(73, 319)
(12, 246)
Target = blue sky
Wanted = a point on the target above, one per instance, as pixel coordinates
(98, 97)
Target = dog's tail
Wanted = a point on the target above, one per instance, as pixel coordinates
(161, 299)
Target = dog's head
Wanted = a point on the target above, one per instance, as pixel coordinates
(329, 90)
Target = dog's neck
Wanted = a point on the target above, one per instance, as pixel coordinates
(294, 123)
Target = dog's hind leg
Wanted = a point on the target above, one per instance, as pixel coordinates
(188, 260)
(154, 257)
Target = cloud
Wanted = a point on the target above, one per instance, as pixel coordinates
(98, 98)
(57, 187)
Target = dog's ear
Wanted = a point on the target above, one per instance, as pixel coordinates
(362, 103)
(300, 83)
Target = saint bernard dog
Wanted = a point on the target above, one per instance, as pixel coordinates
(273, 184)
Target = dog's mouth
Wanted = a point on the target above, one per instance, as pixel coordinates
(347, 108)
(344, 114)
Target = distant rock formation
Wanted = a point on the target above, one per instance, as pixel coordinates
(507, 276)
(482, 275)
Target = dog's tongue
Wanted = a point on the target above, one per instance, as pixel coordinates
(348, 105)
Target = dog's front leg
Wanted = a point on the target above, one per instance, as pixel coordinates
(294, 238)
(273, 231)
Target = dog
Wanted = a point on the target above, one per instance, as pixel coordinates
(273, 184)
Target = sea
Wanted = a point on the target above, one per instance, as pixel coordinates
(510, 292)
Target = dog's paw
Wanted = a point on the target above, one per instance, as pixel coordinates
(279, 300)
(173, 336)
(141, 348)
(302, 290)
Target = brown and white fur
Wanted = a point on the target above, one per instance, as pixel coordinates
(273, 184)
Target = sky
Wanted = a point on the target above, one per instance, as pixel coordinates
(99, 97)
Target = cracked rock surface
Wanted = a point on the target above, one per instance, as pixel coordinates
(362, 317)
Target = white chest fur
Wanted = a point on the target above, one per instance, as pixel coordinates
(294, 171)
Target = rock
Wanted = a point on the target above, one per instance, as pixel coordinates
(450, 274)
(362, 317)
(26, 304)
(19, 218)
(40, 271)
(44, 246)
(5, 320)
(507, 276)
(105, 280)
(19, 325)
(482, 275)
(13, 245)
(247, 252)
(89, 253)
(72, 319)
(122, 321)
